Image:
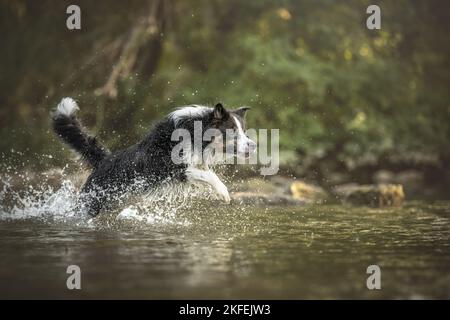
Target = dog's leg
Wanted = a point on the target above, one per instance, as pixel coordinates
(209, 177)
(90, 205)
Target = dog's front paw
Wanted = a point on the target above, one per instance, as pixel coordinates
(222, 193)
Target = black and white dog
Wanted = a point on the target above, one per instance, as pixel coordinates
(152, 159)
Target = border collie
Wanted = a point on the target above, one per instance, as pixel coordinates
(151, 160)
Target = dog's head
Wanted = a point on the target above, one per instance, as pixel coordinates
(233, 138)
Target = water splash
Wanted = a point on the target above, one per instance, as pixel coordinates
(35, 196)
(164, 205)
(39, 202)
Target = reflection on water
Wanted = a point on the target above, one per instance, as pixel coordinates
(219, 251)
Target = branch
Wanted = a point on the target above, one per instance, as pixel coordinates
(145, 29)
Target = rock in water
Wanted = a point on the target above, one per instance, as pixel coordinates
(383, 195)
(307, 192)
(261, 199)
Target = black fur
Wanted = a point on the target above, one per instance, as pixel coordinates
(148, 161)
(69, 129)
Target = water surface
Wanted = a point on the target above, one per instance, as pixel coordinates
(219, 251)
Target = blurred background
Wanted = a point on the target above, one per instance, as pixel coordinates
(352, 104)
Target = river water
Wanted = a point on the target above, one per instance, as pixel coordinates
(211, 250)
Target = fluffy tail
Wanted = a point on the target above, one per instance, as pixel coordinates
(70, 130)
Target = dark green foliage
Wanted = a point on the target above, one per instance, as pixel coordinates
(340, 94)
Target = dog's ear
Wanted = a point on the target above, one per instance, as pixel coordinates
(220, 112)
(242, 111)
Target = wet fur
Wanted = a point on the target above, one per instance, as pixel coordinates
(148, 161)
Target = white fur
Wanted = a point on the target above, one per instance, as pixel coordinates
(67, 107)
(242, 141)
(187, 112)
(209, 177)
